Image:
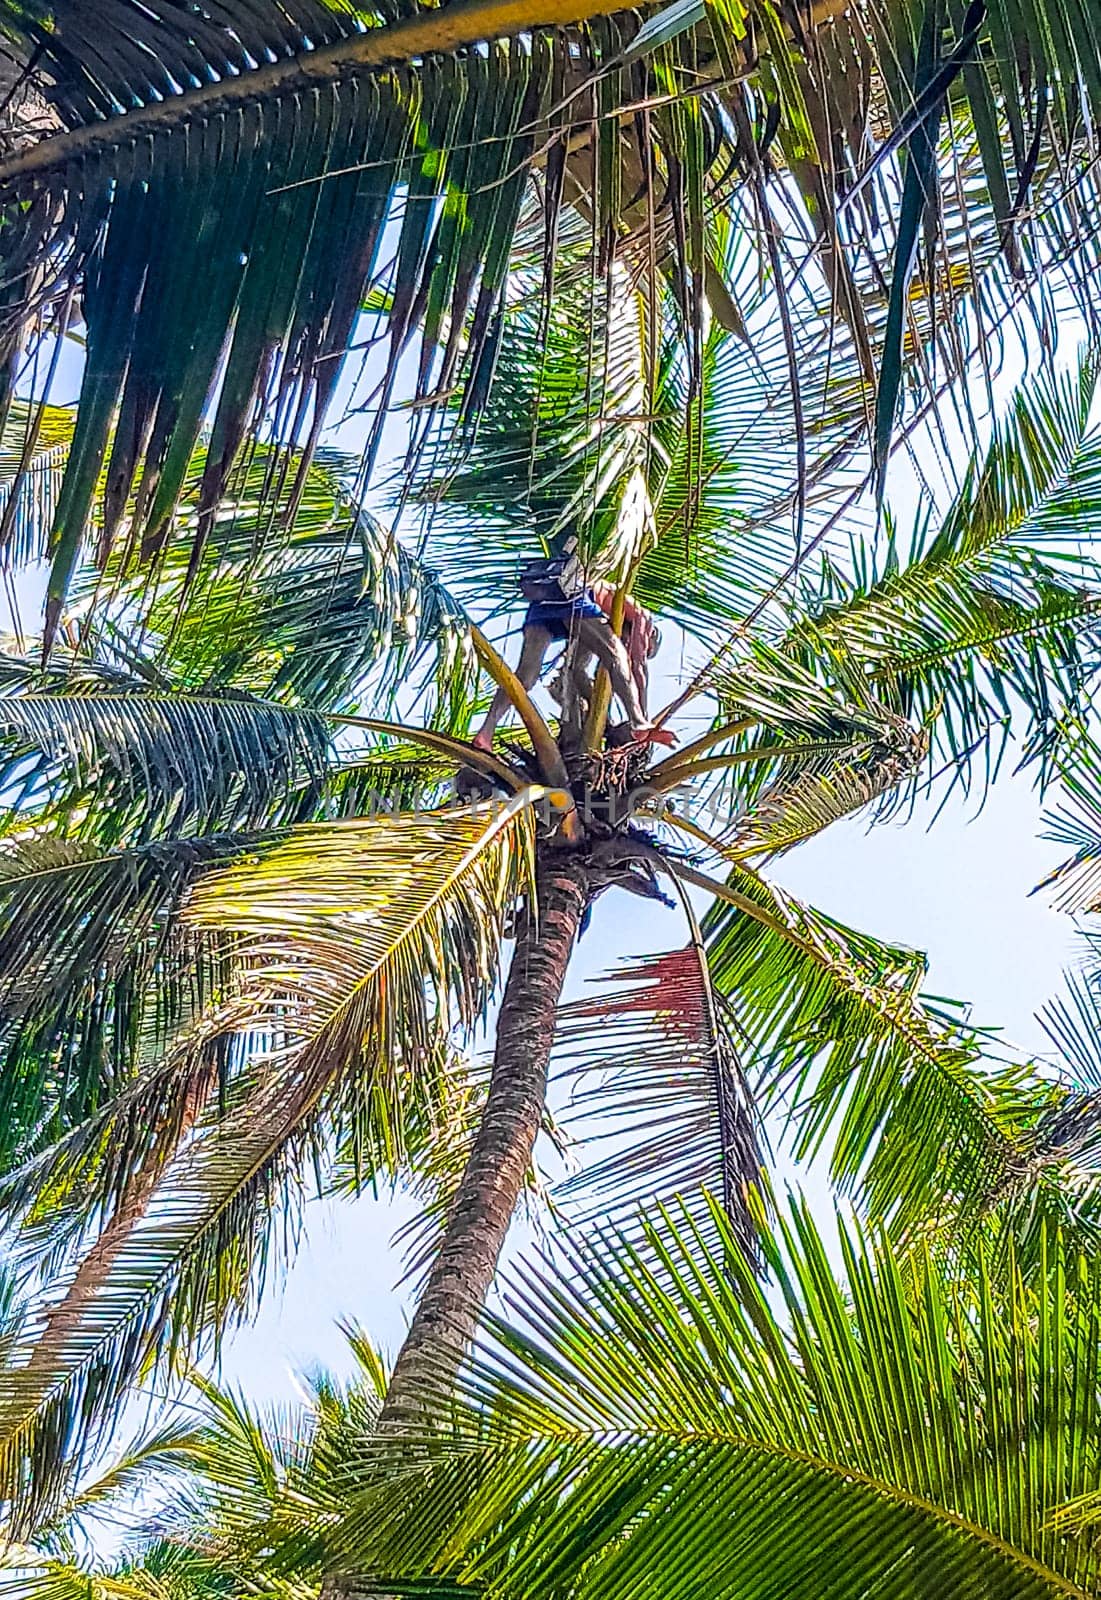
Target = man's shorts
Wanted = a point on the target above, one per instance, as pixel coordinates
(560, 616)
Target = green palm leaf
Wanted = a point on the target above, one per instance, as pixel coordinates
(1075, 823)
(335, 607)
(96, 973)
(200, 191)
(651, 1428)
(331, 615)
(162, 1454)
(167, 1573)
(240, 192)
(790, 754)
(443, 1150)
(684, 475)
(916, 1111)
(110, 751)
(258, 1480)
(34, 446)
(995, 609)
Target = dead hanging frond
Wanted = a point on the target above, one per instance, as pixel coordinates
(654, 1073)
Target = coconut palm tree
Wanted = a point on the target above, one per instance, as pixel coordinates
(227, 967)
(221, 969)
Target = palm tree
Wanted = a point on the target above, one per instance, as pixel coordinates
(225, 966)
(220, 969)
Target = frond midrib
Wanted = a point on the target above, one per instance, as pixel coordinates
(1076, 607)
(149, 847)
(438, 31)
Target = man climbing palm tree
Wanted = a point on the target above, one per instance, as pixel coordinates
(564, 609)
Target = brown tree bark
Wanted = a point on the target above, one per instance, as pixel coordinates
(460, 1279)
(64, 1318)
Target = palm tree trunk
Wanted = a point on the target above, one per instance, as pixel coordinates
(66, 1317)
(457, 1286)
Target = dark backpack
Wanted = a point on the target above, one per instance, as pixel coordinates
(553, 579)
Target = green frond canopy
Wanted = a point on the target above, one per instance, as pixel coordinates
(652, 1421)
(96, 974)
(240, 1491)
(670, 279)
(34, 447)
(443, 1150)
(109, 751)
(679, 477)
(335, 610)
(226, 195)
(988, 623)
(648, 1416)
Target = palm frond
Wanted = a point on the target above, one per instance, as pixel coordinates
(1073, 1024)
(643, 1428)
(813, 794)
(991, 617)
(335, 608)
(391, 933)
(256, 195)
(96, 973)
(919, 1115)
(791, 753)
(392, 777)
(161, 1454)
(678, 476)
(164, 1572)
(442, 1156)
(452, 128)
(103, 1170)
(104, 747)
(1075, 823)
(34, 447)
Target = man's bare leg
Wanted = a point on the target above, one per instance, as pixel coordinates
(533, 651)
(642, 682)
(597, 636)
(577, 680)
